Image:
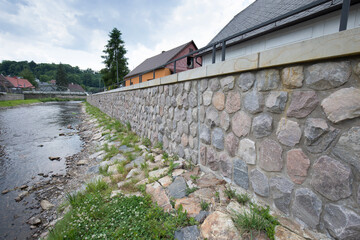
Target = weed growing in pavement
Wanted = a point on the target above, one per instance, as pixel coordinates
(258, 219)
(145, 167)
(159, 145)
(189, 165)
(128, 126)
(217, 196)
(240, 198)
(137, 148)
(204, 206)
(104, 170)
(191, 190)
(230, 193)
(146, 142)
(172, 202)
(129, 186)
(150, 157)
(110, 151)
(175, 157)
(194, 178)
(172, 166)
(129, 156)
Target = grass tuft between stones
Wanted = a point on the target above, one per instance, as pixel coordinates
(256, 220)
(94, 215)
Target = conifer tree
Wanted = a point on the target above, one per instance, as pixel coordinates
(114, 59)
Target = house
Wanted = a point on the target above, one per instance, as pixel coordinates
(16, 82)
(144, 72)
(45, 87)
(268, 24)
(4, 84)
(73, 87)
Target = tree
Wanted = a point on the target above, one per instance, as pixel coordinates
(114, 59)
(27, 74)
(61, 78)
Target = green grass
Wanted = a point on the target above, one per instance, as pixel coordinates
(146, 142)
(159, 145)
(240, 198)
(150, 157)
(258, 219)
(104, 170)
(110, 151)
(194, 178)
(95, 216)
(204, 206)
(190, 190)
(13, 103)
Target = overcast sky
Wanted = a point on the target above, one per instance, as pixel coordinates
(76, 31)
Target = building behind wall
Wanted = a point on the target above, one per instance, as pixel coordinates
(314, 22)
(143, 72)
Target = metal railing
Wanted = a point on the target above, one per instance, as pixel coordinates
(222, 44)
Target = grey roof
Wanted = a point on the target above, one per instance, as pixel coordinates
(262, 11)
(157, 61)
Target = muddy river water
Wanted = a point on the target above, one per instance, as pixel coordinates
(29, 135)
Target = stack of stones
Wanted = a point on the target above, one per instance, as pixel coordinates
(290, 135)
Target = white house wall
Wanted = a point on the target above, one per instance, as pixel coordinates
(310, 29)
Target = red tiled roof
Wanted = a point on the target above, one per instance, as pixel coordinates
(19, 82)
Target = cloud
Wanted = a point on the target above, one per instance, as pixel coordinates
(196, 20)
(76, 31)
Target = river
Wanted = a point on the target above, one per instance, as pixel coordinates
(29, 135)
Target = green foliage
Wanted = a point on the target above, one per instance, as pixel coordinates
(95, 216)
(204, 206)
(104, 170)
(217, 196)
(130, 139)
(230, 193)
(240, 198)
(128, 126)
(159, 145)
(97, 186)
(137, 148)
(114, 59)
(149, 157)
(172, 166)
(194, 178)
(190, 190)
(29, 75)
(110, 152)
(61, 77)
(129, 156)
(146, 142)
(46, 72)
(258, 219)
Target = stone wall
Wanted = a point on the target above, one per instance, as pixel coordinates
(9, 96)
(289, 135)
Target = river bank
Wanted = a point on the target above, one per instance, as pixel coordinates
(18, 103)
(130, 167)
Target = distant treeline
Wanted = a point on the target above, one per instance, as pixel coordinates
(88, 79)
